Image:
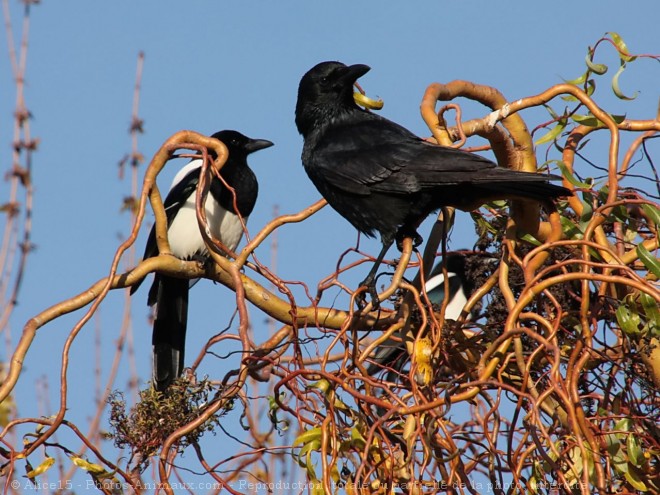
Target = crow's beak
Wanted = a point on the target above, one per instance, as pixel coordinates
(354, 72)
(257, 144)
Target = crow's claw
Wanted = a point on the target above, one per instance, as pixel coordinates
(361, 298)
(375, 302)
(401, 235)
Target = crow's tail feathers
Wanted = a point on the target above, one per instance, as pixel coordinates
(169, 332)
(541, 191)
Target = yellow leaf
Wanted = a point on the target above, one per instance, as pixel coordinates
(366, 102)
(41, 468)
(88, 466)
(423, 360)
(635, 480)
(624, 54)
(410, 427)
(308, 436)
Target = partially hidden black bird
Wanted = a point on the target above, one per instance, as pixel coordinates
(393, 354)
(381, 177)
(170, 294)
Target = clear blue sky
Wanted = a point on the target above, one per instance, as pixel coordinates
(215, 65)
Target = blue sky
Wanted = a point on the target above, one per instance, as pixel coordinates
(216, 65)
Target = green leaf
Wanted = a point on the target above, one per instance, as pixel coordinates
(650, 307)
(569, 176)
(308, 436)
(623, 424)
(576, 464)
(599, 69)
(617, 118)
(309, 447)
(650, 261)
(532, 484)
(579, 81)
(589, 90)
(570, 230)
(272, 404)
(624, 54)
(311, 472)
(587, 209)
(615, 84)
(620, 463)
(483, 226)
(591, 121)
(273, 408)
(618, 214)
(357, 439)
(633, 478)
(591, 87)
(552, 134)
(323, 385)
(551, 111)
(652, 312)
(583, 143)
(635, 453)
(317, 487)
(653, 214)
(613, 444)
(569, 97)
(307, 462)
(626, 322)
(530, 239)
(588, 120)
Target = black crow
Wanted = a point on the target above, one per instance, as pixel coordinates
(170, 294)
(380, 176)
(393, 354)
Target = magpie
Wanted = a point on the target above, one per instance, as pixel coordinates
(383, 178)
(170, 294)
(393, 354)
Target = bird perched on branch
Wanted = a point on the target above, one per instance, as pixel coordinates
(380, 176)
(170, 294)
(393, 354)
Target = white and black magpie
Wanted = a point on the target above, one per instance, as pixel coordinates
(392, 354)
(170, 294)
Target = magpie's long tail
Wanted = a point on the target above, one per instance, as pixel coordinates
(390, 354)
(169, 332)
(393, 353)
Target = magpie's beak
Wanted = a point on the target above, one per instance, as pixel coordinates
(257, 144)
(353, 73)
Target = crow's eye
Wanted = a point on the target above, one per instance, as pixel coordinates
(234, 142)
(324, 81)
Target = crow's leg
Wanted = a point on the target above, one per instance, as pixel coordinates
(370, 281)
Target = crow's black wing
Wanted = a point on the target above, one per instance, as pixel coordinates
(368, 155)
